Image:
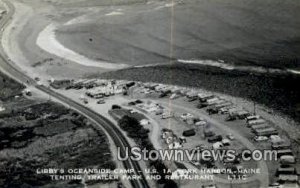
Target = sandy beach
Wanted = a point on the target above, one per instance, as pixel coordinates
(19, 41)
(63, 62)
(46, 40)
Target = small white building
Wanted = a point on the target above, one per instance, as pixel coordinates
(144, 122)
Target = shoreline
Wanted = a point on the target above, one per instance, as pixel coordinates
(47, 41)
(50, 30)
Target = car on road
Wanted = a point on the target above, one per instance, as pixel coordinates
(85, 101)
(39, 83)
(260, 138)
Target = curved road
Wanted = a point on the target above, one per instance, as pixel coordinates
(101, 122)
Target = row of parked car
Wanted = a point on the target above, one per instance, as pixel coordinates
(262, 130)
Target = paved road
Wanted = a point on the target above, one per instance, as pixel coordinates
(101, 122)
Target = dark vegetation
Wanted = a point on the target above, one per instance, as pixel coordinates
(37, 134)
(140, 135)
(280, 92)
(9, 88)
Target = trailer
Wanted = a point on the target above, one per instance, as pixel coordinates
(261, 126)
(255, 122)
(210, 102)
(265, 132)
(284, 152)
(242, 114)
(216, 108)
(285, 171)
(192, 94)
(237, 113)
(288, 178)
(205, 97)
(253, 117)
(287, 160)
(278, 146)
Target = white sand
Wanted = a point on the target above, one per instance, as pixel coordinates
(10, 47)
(46, 40)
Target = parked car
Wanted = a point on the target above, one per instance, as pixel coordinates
(188, 133)
(260, 138)
(101, 101)
(115, 106)
(216, 138)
